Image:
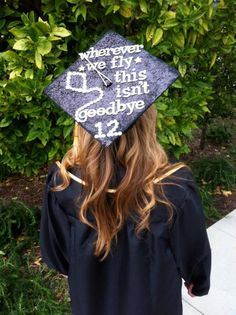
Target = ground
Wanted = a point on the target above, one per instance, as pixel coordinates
(30, 189)
(224, 201)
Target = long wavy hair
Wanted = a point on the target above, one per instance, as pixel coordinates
(142, 158)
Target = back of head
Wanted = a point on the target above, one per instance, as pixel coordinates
(142, 159)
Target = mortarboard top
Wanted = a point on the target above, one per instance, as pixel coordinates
(110, 86)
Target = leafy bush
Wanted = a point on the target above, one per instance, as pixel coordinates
(39, 39)
(218, 134)
(18, 224)
(211, 213)
(4, 172)
(215, 172)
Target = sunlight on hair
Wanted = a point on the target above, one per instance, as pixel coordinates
(142, 158)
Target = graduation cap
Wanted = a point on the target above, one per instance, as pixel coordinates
(110, 86)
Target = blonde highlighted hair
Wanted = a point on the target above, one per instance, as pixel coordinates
(143, 160)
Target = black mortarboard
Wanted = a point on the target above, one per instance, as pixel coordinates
(110, 85)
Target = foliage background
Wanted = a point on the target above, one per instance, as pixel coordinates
(39, 39)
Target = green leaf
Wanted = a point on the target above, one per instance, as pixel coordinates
(203, 24)
(53, 38)
(38, 60)
(29, 74)
(177, 84)
(52, 153)
(213, 59)
(178, 39)
(182, 69)
(172, 112)
(170, 23)
(9, 55)
(126, 10)
(62, 47)
(16, 72)
(116, 8)
(2, 23)
(42, 26)
(18, 32)
(28, 98)
(159, 124)
(169, 15)
(18, 133)
(25, 19)
(51, 20)
(109, 10)
(32, 17)
(61, 32)
(83, 10)
(44, 46)
(43, 137)
(33, 134)
(157, 36)
(190, 51)
(22, 44)
(5, 122)
(143, 6)
(210, 11)
(161, 106)
(163, 138)
(150, 32)
(169, 121)
(205, 109)
(193, 38)
(67, 130)
(176, 59)
(171, 137)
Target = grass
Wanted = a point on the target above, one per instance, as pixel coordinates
(212, 214)
(27, 286)
(215, 172)
(212, 173)
(219, 134)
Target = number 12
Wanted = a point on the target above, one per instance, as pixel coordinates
(111, 133)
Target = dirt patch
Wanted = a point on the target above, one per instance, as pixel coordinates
(226, 204)
(26, 189)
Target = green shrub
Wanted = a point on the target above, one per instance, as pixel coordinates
(4, 172)
(211, 213)
(18, 224)
(215, 172)
(232, 151)
(218, 134)
(38, 45)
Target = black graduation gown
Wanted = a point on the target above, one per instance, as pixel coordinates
(140, 276)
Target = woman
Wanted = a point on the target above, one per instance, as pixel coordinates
(125, 225)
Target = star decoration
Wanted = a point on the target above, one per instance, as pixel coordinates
(138, 60)
(107, 103)
(81, 68)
